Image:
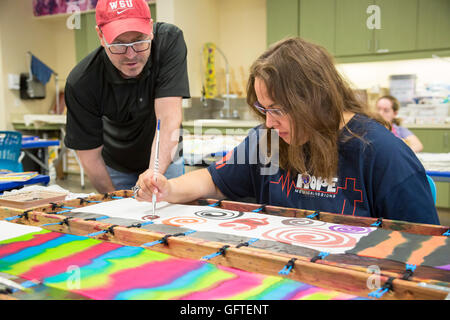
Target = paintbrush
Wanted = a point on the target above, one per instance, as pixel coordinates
(156, 165)
(11, 284)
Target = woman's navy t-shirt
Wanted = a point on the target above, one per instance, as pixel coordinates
(378, 176)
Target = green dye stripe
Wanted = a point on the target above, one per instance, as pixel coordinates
(25, 237)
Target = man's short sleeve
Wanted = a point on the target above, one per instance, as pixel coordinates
(172, 79)
(84, 128)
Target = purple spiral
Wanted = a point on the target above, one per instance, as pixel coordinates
(350, 229)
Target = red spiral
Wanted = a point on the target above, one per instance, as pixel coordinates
(314, 237)
(181, 221)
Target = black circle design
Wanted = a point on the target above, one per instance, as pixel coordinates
(218, 214)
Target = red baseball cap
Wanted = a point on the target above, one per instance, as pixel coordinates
(115, 17)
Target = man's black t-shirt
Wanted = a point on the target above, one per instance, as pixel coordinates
(103, 108)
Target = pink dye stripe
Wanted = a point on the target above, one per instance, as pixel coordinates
(11, 248)
(242, 282)
(305, 293)
(79, 259)
(150, 275)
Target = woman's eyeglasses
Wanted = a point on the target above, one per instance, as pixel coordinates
(275, 112)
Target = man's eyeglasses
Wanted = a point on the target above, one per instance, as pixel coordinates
(275, 112)
(121, 48)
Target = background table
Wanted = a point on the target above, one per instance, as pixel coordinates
(9, 185)
(30, 143)
(44, 123)
(439, 176)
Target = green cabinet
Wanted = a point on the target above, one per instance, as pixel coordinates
(442, 194)
(433, 30)
(433, 140)
(282, 19)
(436, 140)
(357, 34)
(86, 38)
(407, 29)
(352, 35)
(398, 26)
(317, 22)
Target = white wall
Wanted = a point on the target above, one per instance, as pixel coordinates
(370, 74)
(3, 113)
(47, 38)
(237, 27)
(242, 34)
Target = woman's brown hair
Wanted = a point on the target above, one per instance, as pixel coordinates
(301, 78)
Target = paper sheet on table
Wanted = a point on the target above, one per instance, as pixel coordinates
(318, 235)
(12, 230)
(435, 161)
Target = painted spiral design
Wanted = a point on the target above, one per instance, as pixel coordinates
(302, 222)
(181, 221)
(218, 214)
(350, 229)
(314, 237)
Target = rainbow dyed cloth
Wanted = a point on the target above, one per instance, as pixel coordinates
(107, 271)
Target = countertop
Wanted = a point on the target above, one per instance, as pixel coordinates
(221, 123)
(428, 126)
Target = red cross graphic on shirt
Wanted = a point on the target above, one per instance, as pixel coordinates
(357, 194)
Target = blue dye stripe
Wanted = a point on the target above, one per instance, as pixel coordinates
(39, 249)
(282, 290)
(99, 264)
(186, 281)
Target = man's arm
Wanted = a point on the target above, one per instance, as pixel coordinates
(169, 111)
(93, 164)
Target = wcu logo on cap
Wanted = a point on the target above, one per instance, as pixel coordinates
(121, 6)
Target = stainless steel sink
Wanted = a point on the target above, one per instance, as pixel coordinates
(213, 109)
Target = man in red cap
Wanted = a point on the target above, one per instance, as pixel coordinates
(115, 95)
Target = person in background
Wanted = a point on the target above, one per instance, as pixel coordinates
(332, 155)
(116, 94)
(388, 107)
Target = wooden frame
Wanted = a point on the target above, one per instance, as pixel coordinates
(345, 273)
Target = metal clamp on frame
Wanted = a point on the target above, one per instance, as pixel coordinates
(218, 253)
(314, 215)
(163, 240)
(288, 267)
(387, 286)
(378, 223)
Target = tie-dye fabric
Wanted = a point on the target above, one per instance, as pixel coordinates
(106, 271)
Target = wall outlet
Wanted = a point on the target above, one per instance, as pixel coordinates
(17, 102)
(186, 103)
